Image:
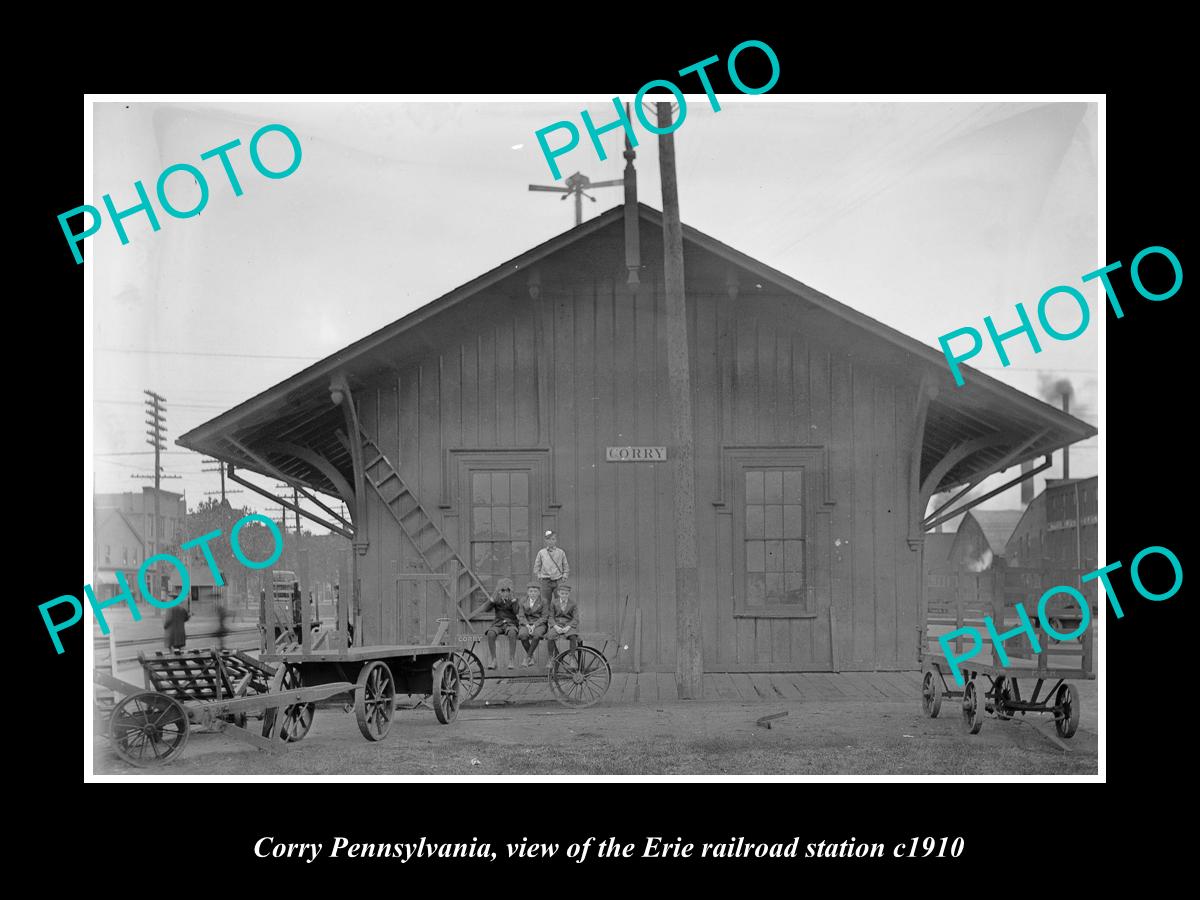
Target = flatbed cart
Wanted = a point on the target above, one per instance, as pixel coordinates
(205, 690)
(375, 672)
(963, 600)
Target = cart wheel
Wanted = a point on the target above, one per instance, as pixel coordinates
(447, 691)
(297, 718)
(148, 729)
(580, 677)
(972, 713)
(1002, 693)
(1066, 711)
(374, 700)
(470, 674)
(931, 695)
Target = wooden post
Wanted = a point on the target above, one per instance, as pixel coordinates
(637, 639)
(262, 622)
(305, 626)
(452, 612)
(112, 650)
(689, 656)
(833, 647)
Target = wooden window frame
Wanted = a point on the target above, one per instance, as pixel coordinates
(813, 461)
(460, 463)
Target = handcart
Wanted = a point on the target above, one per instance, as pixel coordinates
(206, 690)
(963, 600)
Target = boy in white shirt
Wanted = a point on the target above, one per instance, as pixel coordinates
(550, 567)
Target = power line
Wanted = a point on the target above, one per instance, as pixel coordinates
(187, 405)
(207, 353)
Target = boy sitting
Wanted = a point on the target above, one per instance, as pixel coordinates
(505, 622)
(533, 620)
(563, 622)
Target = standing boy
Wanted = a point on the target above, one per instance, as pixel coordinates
(533, 620)
(505, 606)
(550, 567)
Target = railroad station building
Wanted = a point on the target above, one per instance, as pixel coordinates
(459, 433)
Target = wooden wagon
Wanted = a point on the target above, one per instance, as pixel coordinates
(376, 673)
(956, 600)
(209, 690)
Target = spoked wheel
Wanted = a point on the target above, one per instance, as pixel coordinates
(375, 700)
(470, 674)
(931, 695)
(297, 718)
(446, 690)
(1005, 694)
(580, 677)
(148, 729)
(1066, 710)
(972, 710)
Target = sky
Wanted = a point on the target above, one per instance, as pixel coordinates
(926, 216)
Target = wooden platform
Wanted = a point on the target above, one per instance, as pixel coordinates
(659, 687)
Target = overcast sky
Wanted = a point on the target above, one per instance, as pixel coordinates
(926, 216)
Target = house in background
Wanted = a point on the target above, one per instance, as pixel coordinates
(981, 538)
(117, 546)
(459, 433)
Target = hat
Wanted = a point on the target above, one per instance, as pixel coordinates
(564, 587)
(550, 534)
(534, 584)
(504, 583)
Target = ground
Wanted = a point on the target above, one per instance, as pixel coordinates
(890, 736)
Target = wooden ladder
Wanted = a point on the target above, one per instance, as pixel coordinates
(418, 526)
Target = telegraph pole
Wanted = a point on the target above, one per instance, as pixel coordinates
(689, 657)
(155, 409)
(220, 467)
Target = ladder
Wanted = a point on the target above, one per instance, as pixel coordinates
(418, 526)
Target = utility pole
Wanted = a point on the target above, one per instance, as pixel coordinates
(155, 409)
(689, 657)
(219, 467)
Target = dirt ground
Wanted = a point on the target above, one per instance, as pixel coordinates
(677, 738)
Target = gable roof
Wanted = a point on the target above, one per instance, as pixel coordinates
(105, 515)
(997, 526)
(984, 409)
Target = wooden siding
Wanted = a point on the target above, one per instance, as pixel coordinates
(767, 371)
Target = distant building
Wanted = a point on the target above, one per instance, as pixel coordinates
(977, 545)
(119, 547)
(124, 534)
(1059, 529)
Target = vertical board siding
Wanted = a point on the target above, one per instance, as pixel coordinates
(763, 374)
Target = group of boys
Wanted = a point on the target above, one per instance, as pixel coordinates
(547, 613)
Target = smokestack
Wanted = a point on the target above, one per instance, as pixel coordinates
(1027, 484)
(1051, 389)
(1066, 400)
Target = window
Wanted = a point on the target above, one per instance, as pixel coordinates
(124, 556)
(500, 527)
(107, 553)
(778, 500)
(774, 537)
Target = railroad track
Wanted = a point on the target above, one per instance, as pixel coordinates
(242, 638)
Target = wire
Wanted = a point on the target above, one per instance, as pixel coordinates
(207, 353)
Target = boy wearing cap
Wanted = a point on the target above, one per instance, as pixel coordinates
(533, 620)
(505, 606)
(563, 621)
(550, 567)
